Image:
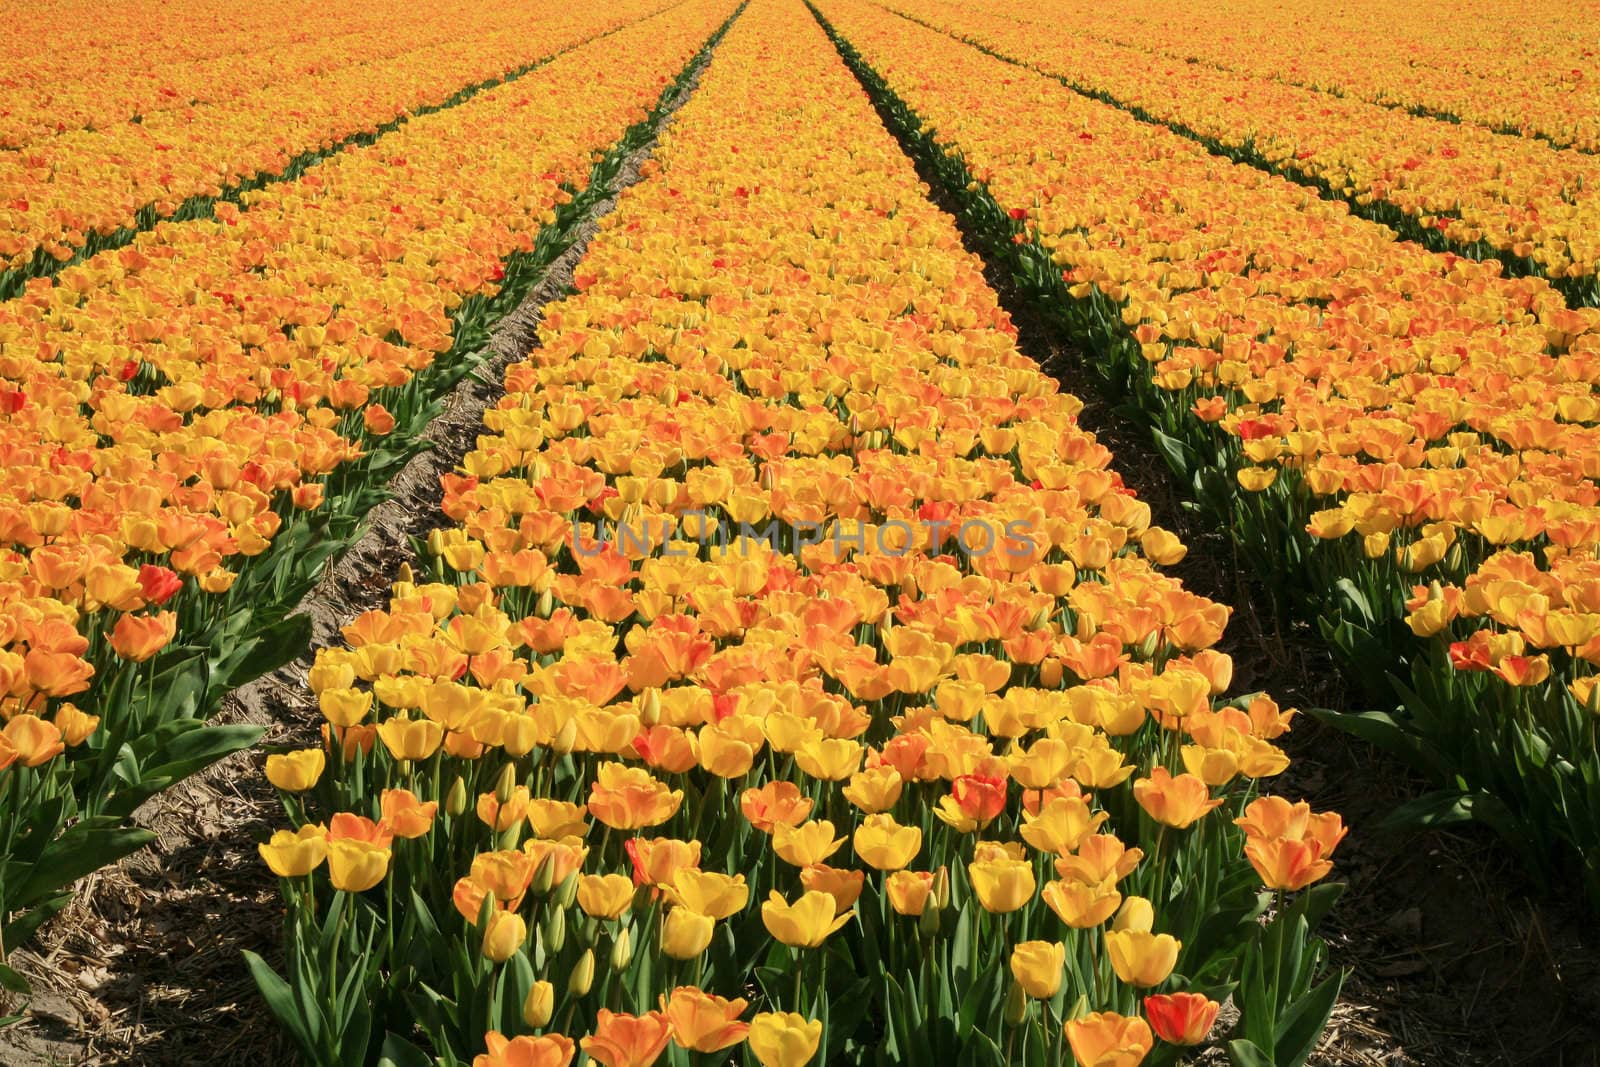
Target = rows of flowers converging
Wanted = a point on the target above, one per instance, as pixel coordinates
(1408, 435)
(792, 643)
(61, 195)
(1521, 198)
(173, 407)
(1524, 68)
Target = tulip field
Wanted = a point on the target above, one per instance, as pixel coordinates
(787, 676)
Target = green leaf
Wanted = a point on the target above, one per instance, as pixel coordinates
(1302, 1023)
(1355, 599)
(1377, 728)
(12, 981)
(80, 849)
(184, 751)
(265, 650)
(279, 997)
(398, 1052)
(1242, 1053)
(20, 929)
(1442, 807)
(1179, 456)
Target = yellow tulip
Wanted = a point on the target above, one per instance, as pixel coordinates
(806, 923)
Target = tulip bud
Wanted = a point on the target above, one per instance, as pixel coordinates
(1135, 914)
(1050, 673)
(455, 802)
(1041, 618)
(407, 576)
(566, 738)
(555, 930)
(567, 891)
(582, 975)
(1148, 647)
(546, 605)
(928, 922)
(539, 1005)
(506, 783)
(941, 887)
(622, 950)
(543, 876)
(1016, 1005)
(650, 707)
(504, 934)
(768, 479)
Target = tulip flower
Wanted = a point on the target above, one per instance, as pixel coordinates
(627, 798)
(1002, 885)
(293, 853)
(605, 896)
(784, 1039)
(32, 741)
(410, 739)
(708, 893)
(505, 934)
(1106, 1039)
(885, 845)
(548, 1050)
(806, 923)
(686, 933)
(702, 1022)
(1174, 801)
(775, 803)
(842, 885)
(806, 844)
(1181, 1018)
(403, 813)
(295, 772)
(539, 1004)
(1140, 957)
(628, 1040)
(138, 637)
(1038, 966)
(908, 891)
(355, 866)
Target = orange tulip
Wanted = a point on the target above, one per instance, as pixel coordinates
(628, 1040)
(702, 1022)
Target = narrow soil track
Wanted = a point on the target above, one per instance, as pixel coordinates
(144, 966)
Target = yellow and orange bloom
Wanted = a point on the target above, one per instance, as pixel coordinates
(703, 1022)
(628, 1040)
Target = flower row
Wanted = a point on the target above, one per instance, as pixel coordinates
(1404, 437)
(71, 193)
(1521, 69)
(183, 415)
(143, 67)
(1522, 199)
(792, 643)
